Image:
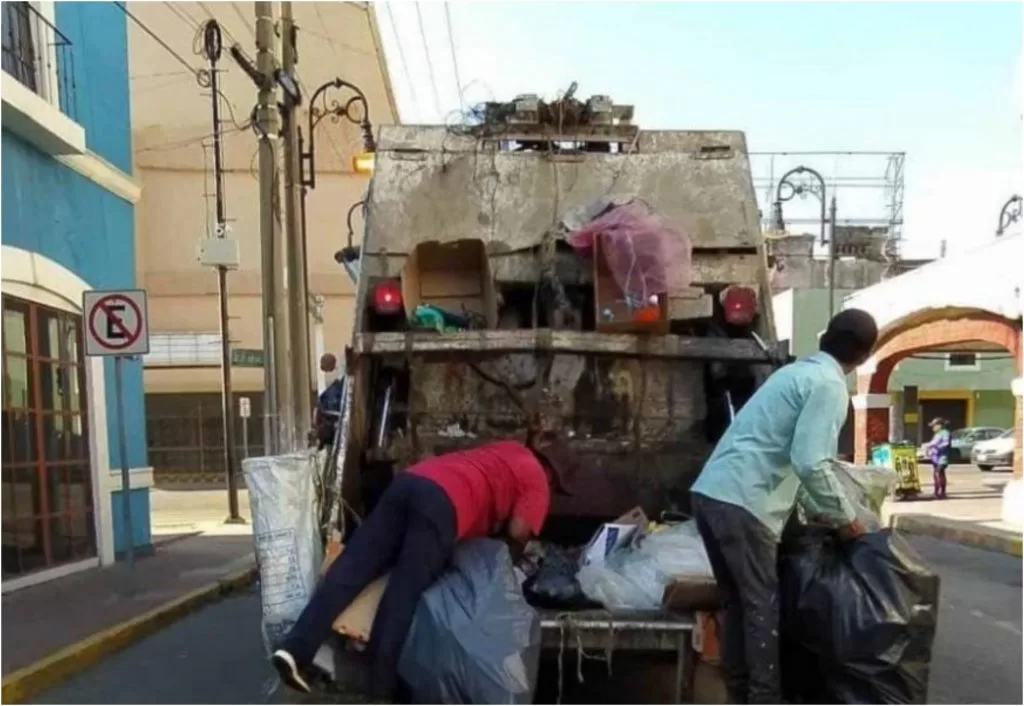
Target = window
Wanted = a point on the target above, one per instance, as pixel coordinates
(38, 55)
(47, 479)
(20, 58)
(963, 361)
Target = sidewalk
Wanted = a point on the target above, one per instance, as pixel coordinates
(59, 627)
(971, 515)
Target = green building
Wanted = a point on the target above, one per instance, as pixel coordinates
(969, 389)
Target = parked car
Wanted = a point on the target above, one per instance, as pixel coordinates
(994, 453)
(963, 442)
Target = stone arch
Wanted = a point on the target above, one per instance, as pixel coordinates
(921, 332)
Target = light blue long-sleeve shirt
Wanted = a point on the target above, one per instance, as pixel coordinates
(783, 438)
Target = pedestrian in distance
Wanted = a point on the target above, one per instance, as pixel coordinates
(938, 453)
(781, 443)
(412, 532)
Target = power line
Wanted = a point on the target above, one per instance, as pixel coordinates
(330, 137)
(402, 59)
(455, 58)
(182, 15)
(430, 64)
(159, 40)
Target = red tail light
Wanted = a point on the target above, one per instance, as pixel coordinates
(387, 297)
(739, 304)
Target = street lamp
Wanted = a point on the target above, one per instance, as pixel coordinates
(799, 189)
(320, 108)
(348, 256)
(1010, 214)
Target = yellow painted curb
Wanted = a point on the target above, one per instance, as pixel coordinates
(48, 671)
(969, 534)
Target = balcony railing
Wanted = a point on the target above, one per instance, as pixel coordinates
(39, 56)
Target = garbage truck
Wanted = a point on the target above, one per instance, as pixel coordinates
(479, 317)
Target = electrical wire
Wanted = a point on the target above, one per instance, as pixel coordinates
(330, 138)
(158, 39)
(430, 64)
(402, 59)
(455, 58)
(242, 17)
(182, 15)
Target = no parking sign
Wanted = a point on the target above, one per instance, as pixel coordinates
(116, 323)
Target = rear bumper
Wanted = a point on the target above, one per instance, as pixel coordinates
(992, 459)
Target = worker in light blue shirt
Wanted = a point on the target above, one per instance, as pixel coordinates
(780, 444)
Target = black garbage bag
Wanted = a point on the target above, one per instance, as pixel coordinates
(474, 639)
(857, 619)
(555, 584)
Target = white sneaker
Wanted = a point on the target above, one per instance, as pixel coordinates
(285, 665)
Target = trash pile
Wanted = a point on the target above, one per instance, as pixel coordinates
(474, 639)
(629, 565)
(857, 619)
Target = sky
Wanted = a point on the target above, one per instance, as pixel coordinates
(939, 81)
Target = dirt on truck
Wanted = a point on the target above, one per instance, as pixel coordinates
(479, 317)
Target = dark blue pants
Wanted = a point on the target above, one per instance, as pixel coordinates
(743, 552)
(411, 531)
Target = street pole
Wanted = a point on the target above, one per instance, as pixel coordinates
(319, 346)
(298, 304)
(212, 48)
(275, 309)
(832, 258)
(126, 476)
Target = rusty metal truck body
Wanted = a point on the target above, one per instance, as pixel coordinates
(642, 410)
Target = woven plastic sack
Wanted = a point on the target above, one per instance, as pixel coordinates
(474, 639)
(634, 577)
(646, 255)
(287, 539)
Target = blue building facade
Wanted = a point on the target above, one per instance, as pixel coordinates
(68, 220)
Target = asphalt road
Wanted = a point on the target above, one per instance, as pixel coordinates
(216, 656)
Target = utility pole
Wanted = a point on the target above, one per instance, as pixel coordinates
(212, 48)
(298, 296)
(832, 258)
(277, 412)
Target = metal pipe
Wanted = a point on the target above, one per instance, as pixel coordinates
(832, 259)
(671, 626)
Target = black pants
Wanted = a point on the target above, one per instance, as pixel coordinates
(743, 556)
(412, 532)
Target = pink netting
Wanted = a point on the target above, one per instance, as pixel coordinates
(646, 255)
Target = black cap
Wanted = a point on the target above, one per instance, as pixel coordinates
(850, 337)
(561, 461)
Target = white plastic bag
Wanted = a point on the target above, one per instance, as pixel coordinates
(634, 577)
(865, 488)
(288, 548)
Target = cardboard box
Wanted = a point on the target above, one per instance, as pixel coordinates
(613, 535)
(686, 593)
(356, 621)
(453, 276)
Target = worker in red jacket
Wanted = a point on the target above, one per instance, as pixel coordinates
(499, 487)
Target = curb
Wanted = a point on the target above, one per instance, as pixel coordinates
(43, 674)
(968, 534)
